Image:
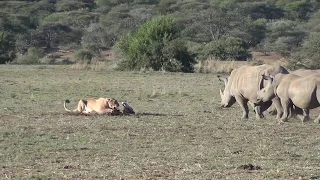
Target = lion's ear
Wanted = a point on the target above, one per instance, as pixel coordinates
(107, 102)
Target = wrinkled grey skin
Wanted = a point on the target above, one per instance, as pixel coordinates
(243, 84)
(305, 72)
(302, 92)
(300, 72)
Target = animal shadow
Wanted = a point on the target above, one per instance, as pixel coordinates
(155, 114)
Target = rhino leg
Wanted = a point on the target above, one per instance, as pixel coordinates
(259, 115)
(317, 120)
(272, 110)
(305, 117)
(286, 108)
(252, 105)
(276, 103)
(244, 106)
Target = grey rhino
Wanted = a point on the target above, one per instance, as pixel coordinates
(243, 84)
(305, 72)
(302, 92)
(299, 72)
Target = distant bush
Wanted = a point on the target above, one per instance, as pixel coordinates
(227, 48)
(33, 56)
(47, 60)
(308, 55)
(97, 38)
(6, 47)
(155, 45)
(69, 5)
(84, 55)
(74, 19)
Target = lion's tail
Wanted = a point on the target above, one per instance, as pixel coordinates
(65, 106)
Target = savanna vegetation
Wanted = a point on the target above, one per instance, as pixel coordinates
(169, 35)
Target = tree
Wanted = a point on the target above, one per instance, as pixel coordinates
(124, 19)
(309, 53)
(156, 45)
(75, 19)
(6, 47)
(111, 2)
(70, 5)
(227, 48)
(284, 36)
(298, 9)
(53, 35)
(252, 32)
(97, 38)
(261, 10)
(216, 23)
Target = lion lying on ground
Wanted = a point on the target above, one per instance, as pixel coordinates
(101, 106)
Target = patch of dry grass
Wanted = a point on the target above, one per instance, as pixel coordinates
(94, 65)
(214, 66)
(179, 131)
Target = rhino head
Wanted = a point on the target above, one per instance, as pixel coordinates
(227, 100)
(267, 92)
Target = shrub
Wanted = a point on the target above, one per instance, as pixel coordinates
(227, 48)
(47, 60)
(309, 54)
(97, 38)
(84, 55)
(6, 47)
(33, 56)
(69, 5)
(155, 46)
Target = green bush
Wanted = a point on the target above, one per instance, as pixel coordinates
(6, 47)
(74, 19)
(227, 48)
(97, 38)
(155, 46)
(69, 5)
(33, 56)
(84, 55)
(308, 55)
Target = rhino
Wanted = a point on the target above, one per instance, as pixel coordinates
(305, 72)
(300, 72)
(291, 89)
(243, 84)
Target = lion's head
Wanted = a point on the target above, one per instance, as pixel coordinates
(112, 103)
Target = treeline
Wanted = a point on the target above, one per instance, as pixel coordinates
(200, 29)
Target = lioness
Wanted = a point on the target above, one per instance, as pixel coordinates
(100, 106)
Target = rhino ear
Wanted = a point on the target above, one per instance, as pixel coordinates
(223, 79)
(267, 77)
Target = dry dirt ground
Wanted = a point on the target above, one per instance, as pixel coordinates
(179, 131)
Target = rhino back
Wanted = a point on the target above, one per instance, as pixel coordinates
(282, 83)
(305, 72)
(246, 81)
(302, 91)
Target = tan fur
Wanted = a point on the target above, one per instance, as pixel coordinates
(243, 84)
(303, 92)
(299, 72)
(305, 72)
(100, 106)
